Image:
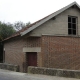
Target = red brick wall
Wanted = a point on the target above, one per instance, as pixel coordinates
(32, 42)
(61, 52)
(14, 50)
(56, 52)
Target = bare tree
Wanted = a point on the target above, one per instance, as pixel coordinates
(19, 25)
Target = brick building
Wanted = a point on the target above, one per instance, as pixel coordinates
(52, 42)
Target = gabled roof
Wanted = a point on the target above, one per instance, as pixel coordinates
(38, 23)
(48, 17)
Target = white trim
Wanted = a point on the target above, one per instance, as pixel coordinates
(47, 18)
(60, 35)
(33, 49)
(35, 35)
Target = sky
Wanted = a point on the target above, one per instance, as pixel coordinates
(29, 10)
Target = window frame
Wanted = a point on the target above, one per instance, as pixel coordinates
(73, 22)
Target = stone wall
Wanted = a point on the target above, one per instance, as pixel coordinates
(9, 67)
(54, 72)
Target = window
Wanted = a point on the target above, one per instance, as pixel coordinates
(72, 23)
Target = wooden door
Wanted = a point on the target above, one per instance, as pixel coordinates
(32, 58)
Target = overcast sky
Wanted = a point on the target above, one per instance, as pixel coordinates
(29, 10)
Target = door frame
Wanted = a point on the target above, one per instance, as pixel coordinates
(27, 58)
